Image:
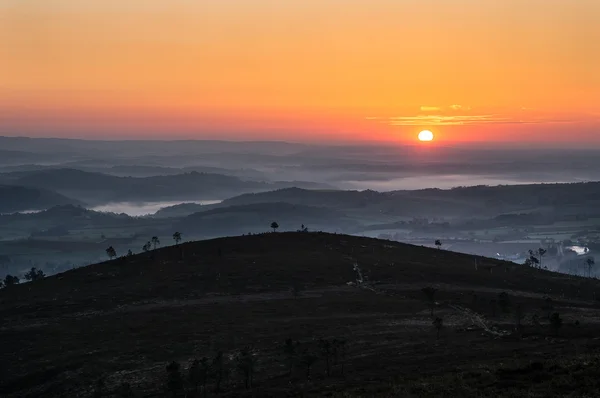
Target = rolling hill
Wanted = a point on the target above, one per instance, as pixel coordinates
(256, 218)
(98, 188)
(123, 321)
(486, 201)
(18, 198)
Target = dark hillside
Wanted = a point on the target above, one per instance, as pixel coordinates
(124, 320)
(253, 218)
(19, 198)
(460, 201)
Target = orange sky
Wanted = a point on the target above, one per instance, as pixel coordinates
(469, 70)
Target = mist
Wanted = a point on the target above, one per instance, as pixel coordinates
(87, 195)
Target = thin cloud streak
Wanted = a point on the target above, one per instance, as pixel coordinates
(444, 120)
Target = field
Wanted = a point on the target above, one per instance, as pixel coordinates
(123, 321)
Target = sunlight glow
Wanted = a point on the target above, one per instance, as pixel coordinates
(425, 135)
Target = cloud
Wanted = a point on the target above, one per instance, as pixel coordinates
(460, 107)
(430, 109)
(443, 120)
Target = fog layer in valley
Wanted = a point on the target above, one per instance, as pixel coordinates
(64, 202)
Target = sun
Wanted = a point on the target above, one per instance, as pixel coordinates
(425, 136)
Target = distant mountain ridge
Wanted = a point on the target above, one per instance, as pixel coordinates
(461, 201)
(97, 188)
(19, 198)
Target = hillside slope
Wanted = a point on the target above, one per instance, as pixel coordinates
(94, 188)
(461, 201)
(18, 198)
(124, 320)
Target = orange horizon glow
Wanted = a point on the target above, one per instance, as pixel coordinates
(327, 70)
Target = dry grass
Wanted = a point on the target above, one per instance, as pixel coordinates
(124, 320)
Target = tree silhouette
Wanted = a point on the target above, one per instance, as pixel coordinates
(296, 288)
(177, 237)
(111, 252)
(541, 252)
(326, 352)
(555, 322)
(289, 350)
(34, 274)
(590, 264)
(274, 226)
(129, 253)
(11, 280)
(218, 367)
(99, 388)
(308, 359)
(519, 315)
(174, 379)
(493, 304)
(245, 363)
(124, 391)
(155, 241)
(438, 323)
(438, 243)
(198, 374)
(147, 246)
(504, 301)
(548, 306)
(429, 293)
(340, 350)
(533, 260)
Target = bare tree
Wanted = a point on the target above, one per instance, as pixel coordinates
(155, 241)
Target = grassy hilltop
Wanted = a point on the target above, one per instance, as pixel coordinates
(107, 328)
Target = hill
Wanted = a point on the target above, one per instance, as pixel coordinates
(256, 218)
(97, 188)
(18, 198)
(123, 321)
(461, 201)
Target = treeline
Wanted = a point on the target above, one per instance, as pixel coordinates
(222, 371)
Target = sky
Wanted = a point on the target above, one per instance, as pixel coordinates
(516, 71)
